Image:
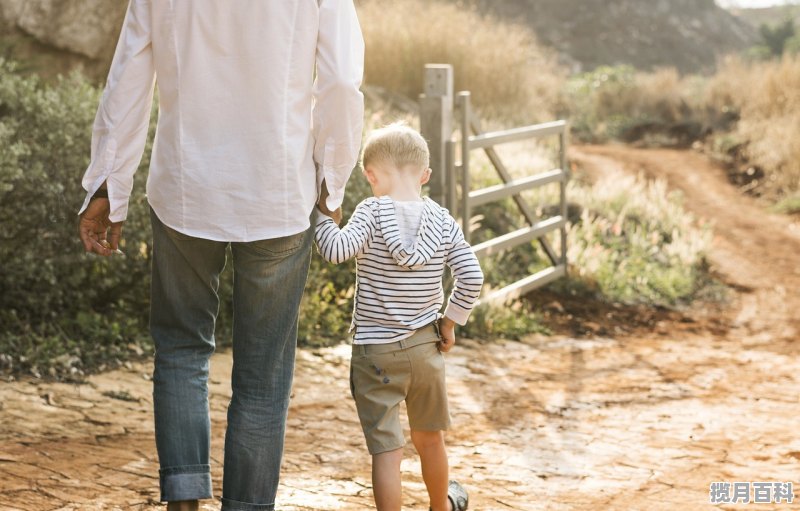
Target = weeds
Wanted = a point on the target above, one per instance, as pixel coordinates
(508, 73)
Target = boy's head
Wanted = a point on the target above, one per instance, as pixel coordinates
(395, 160)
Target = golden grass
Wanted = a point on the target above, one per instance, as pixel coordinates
(767, 97)
(508, 73)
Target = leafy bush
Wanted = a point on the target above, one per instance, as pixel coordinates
(52, 296)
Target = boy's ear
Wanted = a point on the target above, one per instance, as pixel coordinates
(370, 175)
(426, 176)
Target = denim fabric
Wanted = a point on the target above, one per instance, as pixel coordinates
(269, 277)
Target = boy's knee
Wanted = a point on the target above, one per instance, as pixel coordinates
(427, 439)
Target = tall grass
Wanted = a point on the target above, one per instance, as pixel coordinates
(766, 97)
(635, 243)
(608, 102)
(509, 74)
(630, 240)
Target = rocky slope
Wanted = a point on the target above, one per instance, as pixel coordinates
(687, 34)
(54, 36)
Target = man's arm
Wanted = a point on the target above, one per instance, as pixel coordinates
(120, 131)
(338, 104)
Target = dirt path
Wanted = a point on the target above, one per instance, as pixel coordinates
(641, 421)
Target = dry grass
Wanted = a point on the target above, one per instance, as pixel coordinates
(509, 74)
(767, 97)
(608, 101)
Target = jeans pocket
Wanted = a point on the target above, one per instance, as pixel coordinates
(278, 247)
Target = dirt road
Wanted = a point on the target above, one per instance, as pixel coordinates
(643, 420)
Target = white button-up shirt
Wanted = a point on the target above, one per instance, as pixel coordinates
(246, 133)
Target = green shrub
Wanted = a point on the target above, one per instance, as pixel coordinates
(54, 300)
(635, 243)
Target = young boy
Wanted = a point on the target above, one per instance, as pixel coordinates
(401, 242)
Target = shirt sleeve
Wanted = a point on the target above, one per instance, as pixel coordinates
(337, 245)
(120, 127)
(467, 277)
(338, 104)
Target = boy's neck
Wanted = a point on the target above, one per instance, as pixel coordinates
(403, 189)
(405, 197)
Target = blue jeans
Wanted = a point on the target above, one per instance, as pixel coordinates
(269, 277)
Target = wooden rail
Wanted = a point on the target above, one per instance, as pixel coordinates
(437, 117)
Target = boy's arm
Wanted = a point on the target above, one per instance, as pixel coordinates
(468, 279)
(338, 245)
(467, 276)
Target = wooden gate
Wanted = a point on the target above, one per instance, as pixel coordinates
(440, 112)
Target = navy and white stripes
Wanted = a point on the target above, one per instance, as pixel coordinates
(399, 288)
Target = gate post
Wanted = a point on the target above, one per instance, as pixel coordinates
(436, 126)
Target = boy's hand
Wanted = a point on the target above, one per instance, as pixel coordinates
(323, 206)
(447, 328)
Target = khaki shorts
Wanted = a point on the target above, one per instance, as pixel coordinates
(384, 375)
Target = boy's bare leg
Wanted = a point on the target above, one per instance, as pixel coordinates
(433, 457)
(183, 505)
(386, 484)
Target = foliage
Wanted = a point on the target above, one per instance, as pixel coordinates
(52, 296)
(636, 244)
(629, 240)
(788, 206)
(775, 37)
(511, 321)
(609, 101)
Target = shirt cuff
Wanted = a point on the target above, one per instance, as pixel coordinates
(320, 217)
(118, 206)
(457, 313)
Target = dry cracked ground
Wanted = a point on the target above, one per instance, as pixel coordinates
(642, 419)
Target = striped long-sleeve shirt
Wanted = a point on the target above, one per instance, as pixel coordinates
(398, 287)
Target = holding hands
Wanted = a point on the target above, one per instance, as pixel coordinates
(336, 215)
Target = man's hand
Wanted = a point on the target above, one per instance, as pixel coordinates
(447, 329)
(98, 234)
(323, 207)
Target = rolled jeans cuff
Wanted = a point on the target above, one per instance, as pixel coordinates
(233, 505)
(189, 482)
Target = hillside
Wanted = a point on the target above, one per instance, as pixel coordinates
(687, 34)
(769, 15)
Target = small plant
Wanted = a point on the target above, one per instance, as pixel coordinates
(511, 321)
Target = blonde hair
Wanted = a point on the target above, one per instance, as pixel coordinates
(397, 144)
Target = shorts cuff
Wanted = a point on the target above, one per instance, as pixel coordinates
(189, 482)
(380, 448)
(235, 505)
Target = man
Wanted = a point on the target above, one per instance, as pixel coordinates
(247, 138)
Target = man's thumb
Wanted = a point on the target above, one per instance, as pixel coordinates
(115, 235)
